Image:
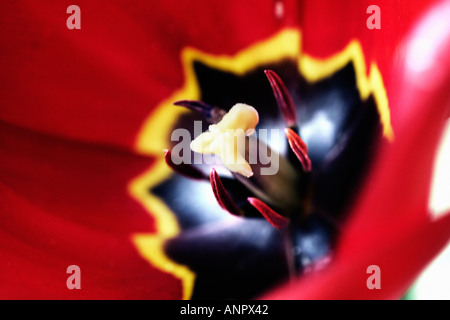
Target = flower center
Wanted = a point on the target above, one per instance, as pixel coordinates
(303, 200)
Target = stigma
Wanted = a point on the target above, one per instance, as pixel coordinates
(226, 139)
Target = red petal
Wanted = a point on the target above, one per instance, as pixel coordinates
(97, 85)
(62, 203)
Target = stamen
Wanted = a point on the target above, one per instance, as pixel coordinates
(299, 147)
(274, 218)
(213, 114)
(283, 98)
(183, 168)
(222, 196)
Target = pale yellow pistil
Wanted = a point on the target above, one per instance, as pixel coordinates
(226, 139)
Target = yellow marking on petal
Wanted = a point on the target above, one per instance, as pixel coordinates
(150, 246)
(315, 69)
(226, 139)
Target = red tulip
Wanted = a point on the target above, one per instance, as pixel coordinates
(83, 127)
